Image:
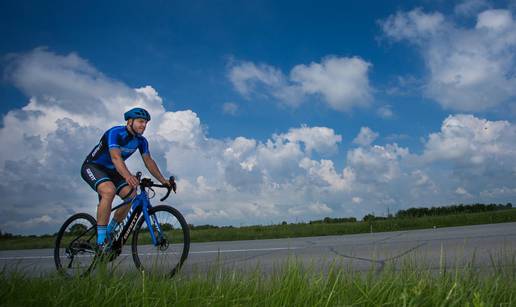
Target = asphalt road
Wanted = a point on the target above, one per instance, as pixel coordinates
(481, 246)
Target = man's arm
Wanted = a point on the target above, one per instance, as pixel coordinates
(118, 162)
(153, 169)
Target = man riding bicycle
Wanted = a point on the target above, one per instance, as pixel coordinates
(105, 171)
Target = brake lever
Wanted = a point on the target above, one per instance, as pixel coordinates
(169, 189)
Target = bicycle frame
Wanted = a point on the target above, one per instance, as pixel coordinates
(140, 204)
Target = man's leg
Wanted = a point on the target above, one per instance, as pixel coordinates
(125, 192)
(106, 191)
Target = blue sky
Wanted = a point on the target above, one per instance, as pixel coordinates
(183, 49)
(385, 79)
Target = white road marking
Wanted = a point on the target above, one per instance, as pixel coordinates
(198, 252)
(26, 258)
(246, 250)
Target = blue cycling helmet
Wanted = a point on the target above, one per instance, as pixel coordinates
(137, 113)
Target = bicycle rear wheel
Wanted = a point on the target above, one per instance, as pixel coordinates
(74, 250)
(167, 257)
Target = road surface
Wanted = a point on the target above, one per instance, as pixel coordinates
(485, 245)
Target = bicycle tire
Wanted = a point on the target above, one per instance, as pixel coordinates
(143, 252)
(76, 245)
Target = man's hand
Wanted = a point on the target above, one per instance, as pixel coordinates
(132, 181)
(171, 183)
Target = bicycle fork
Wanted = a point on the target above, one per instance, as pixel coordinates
(154, 228)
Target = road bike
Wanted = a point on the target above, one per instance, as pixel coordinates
(160, 237)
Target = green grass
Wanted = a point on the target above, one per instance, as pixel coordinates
(292, 284)
(308, 230)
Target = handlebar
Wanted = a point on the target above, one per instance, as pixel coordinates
(148, 183)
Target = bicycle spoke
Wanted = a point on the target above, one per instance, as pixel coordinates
(74, 253)
(173, 241)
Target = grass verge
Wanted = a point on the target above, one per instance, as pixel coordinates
(292, 284)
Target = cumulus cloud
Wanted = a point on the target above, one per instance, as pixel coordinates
(341, 82)
(229, 181)
(470, 140)
(469, 68)
(321, 139)
(324, 172)
(479, 152)
(377, 163)
(365, 137)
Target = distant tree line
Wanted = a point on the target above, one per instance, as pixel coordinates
(6, 235)
(329, 220)
(455, 209)
(207, 226)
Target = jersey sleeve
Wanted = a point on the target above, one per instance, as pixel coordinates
(144, 147)
(113, 139)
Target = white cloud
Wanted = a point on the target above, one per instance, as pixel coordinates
(317, 209)
(181, 127)
(497, 20)
(414, 25)
(230, 108)
(470, 140)
(385, 112)
(249, 78)
(478, 154)
(342, 82)
(462, 192)
(365, 137)
(246, 75)
(469, 69)
(240, 147)
(499, 192)
(377, 163)
(470, 7)
(321, 139)
(229, 181)
(324, 171)
(356, 200)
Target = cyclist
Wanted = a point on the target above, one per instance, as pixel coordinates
(105, 171)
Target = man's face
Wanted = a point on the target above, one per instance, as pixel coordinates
(138, 125)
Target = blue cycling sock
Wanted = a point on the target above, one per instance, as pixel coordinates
(101, 234)
(112, 225)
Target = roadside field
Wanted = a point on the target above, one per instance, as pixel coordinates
(304, 229)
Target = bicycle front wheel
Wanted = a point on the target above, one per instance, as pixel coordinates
(173, 242)
(74, 250)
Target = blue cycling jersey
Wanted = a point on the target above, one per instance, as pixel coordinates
(117, 137)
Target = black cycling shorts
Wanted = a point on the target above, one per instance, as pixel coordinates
(94, 174)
